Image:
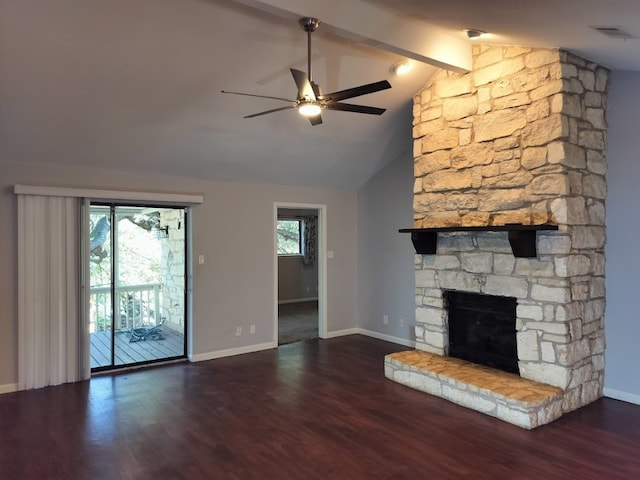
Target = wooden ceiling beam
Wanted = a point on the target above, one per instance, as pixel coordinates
(365, 23)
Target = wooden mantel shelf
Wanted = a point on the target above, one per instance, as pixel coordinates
(521, 237)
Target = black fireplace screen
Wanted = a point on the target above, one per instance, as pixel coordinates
(482, 329)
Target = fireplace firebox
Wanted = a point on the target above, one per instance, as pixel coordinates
(482, 329)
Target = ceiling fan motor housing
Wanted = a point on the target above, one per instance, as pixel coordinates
(309, 24)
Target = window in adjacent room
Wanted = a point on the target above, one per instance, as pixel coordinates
(289, 236)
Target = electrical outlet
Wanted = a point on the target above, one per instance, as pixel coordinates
(201, 259)
(238, 331)
(308, 289)
(385, 319)
(252, 329)
(401, 322)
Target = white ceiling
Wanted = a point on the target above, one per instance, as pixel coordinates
(135, 84)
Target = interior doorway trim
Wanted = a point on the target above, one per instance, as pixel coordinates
(322, 265)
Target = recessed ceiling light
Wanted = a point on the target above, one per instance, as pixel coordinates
(400, 67)
(474, 33)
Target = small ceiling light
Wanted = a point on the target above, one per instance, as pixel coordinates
(309, 108)
(400, 67)
(474, 33)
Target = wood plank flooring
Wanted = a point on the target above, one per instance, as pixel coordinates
(318, 409)
(172, 345)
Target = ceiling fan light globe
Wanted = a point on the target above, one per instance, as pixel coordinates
(309, 109)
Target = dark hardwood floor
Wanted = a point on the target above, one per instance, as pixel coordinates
(318, 409)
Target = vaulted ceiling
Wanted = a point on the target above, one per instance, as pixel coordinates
(136, 85)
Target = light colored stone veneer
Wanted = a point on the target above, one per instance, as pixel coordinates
(173, 271)
(520, 139)
(509, 397)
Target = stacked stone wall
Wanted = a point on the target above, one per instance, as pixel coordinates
(173, 271)
(520, 139)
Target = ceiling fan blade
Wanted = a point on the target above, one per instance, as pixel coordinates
(259, 96)
(270, 111)
(316, 119)
(305, 90)
(357, 91)
(316, 89)
(349, 107)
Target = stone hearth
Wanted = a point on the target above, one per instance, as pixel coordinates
(512, 398)
(519, 139)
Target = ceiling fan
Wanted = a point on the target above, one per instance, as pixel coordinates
(310, 101)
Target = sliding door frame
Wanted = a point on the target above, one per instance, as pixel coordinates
(114, 279)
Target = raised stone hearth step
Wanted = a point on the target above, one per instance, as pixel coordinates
(506, 396)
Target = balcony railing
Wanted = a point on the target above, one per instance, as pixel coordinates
(137, 306)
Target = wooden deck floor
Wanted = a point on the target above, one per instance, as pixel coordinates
(133, 352)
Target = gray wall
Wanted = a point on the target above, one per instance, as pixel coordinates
(233, 229)
(295, 279)
(386, 279)
(622, 319)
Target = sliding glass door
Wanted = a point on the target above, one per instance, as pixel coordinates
(138, 284)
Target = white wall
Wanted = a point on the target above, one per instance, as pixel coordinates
(622, 318)
(386, 278)
(233, 228)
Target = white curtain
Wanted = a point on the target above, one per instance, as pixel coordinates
(53, 337)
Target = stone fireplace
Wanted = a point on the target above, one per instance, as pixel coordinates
(521, 139)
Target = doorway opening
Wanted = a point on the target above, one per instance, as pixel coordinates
(300, 267)
(138, 271)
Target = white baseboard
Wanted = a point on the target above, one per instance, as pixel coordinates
(342, 333)
(8, 388)
(387, 338)
(371, 333)
(200, 357)
(297, 300)
(624, 396)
